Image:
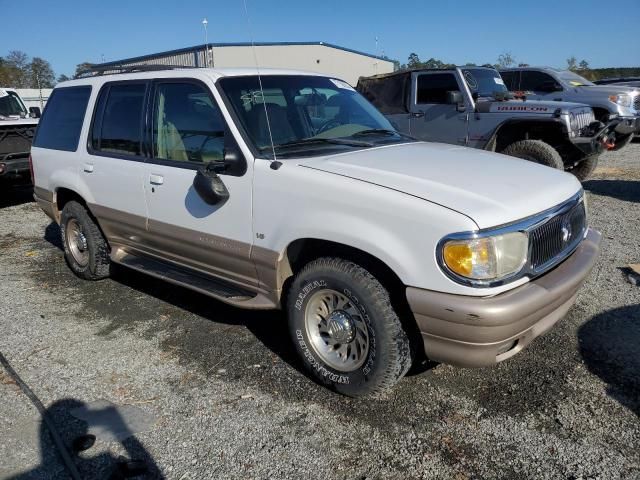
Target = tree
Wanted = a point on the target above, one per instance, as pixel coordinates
(583, 65)
(414, 61)
(572, 63)
(523, 64)
(16, 66)
(83, 66)
(506, 60)
(62, 78)
(41, 74)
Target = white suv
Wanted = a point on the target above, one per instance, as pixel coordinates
(282, 189)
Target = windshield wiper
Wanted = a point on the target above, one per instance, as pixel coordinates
(379, 131)
(315, 141)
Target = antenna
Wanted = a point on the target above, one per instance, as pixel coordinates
(275, 164)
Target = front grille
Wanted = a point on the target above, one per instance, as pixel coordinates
(555, 239)
(583, 119)
(636, 103)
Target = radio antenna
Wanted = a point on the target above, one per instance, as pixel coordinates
(274, 164)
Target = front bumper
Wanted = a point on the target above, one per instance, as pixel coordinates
(628, 125)
(482, 331)
(15, 164)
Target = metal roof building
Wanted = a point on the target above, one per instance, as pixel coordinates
(319, 57)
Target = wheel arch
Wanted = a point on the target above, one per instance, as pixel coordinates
(549, 130)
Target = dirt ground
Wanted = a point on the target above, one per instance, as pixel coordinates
(196, 389)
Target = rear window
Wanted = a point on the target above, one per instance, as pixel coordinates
(60, 125)
(118, 125)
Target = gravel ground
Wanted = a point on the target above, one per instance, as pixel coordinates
(203, 390)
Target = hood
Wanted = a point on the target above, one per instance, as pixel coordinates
(490, 188)
(541, 107)
(599, 91)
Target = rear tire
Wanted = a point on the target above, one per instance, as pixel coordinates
(345, 328)
(85, 248)
(585, 168)
(535, 151)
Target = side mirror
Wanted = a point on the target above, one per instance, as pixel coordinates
(454, 97)
(549, 87)
(34, 112)
(209, 186)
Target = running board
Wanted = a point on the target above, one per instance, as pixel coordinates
(184, 277)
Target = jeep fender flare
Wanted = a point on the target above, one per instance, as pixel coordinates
(552, 122)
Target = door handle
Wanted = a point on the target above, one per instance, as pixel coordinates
(417, 114)
(156, 179)
(88, 167)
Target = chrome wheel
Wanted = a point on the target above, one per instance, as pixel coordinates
(337, 331)
(77, 243)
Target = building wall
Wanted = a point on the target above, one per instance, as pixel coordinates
(343, 64)
(31, 96)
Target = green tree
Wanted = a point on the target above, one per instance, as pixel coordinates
(62, 78)
(41, 74)
(506, 60)
(583, 65)
(16, 66)
(414, 61)
(82, 67)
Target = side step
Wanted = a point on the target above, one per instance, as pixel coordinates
(184, 277)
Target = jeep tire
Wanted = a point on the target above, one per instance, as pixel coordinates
(345, 328)
(585, 168)
(85, 248)
(535, 151)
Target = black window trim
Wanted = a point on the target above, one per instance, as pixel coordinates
(84, 116)
(148, 133)
(98, 117)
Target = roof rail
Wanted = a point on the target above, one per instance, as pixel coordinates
(118, 69)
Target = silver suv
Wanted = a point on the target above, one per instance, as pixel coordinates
(471, 106)
(609, 102)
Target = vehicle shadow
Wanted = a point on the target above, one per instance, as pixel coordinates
(11, 196)
(626, 190)
(78, 442)
(610, 347)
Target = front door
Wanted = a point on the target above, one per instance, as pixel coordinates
(187, 131)
(433, 118)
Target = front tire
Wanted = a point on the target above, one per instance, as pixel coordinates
(585, 168)
(85, 248)
(535, 151)
(345, 328)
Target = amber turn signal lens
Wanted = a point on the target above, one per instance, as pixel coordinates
(459, 258)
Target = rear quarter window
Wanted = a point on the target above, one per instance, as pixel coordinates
(61, 122)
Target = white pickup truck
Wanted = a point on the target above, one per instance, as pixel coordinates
(17, 126)
(281, 189)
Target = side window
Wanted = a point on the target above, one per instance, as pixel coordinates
(118, 130)
(433, 87)
(61, 123)
(532, 81)
(510, 80)
(187, 124)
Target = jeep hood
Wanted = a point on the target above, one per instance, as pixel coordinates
(490, 188)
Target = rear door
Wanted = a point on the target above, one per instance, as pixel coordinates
(186, 132)
(433, 119)
(113, 163)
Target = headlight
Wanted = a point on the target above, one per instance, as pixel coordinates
(485, 259)
(623, 100)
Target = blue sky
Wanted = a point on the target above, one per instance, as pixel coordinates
(68, 32)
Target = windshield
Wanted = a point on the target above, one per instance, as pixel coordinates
(11, 105)
(574, 79)
(484, 82)
(307, 115)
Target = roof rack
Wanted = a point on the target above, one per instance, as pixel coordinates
(119, 69)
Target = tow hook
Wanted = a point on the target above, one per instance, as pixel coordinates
(608, 142)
